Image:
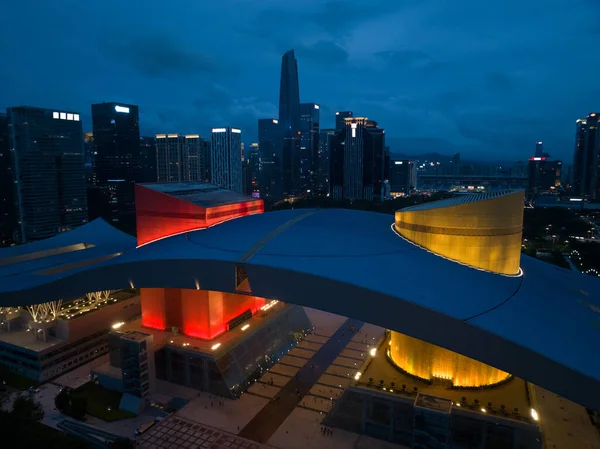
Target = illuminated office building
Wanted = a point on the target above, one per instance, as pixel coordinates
(8, 219)
(117, 163)
(148, 159)
(226, 164)
(48, 171)
(252, 171)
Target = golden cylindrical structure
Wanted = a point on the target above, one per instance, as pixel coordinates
(480, 230)
(428, 362)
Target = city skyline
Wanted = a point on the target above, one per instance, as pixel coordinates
(460, 71)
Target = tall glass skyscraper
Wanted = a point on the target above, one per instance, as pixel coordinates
(226, 163)
(117, 161)
(270, 158)
(47, 159)
(289, 121)
(182, 158)
(306, 160)
(586, 169)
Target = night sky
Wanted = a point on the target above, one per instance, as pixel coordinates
(487, 78)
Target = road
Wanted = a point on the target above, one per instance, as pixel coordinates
(273, 414)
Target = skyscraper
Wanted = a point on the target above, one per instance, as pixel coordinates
(586, 170)
(306, 162)
(401, 177)
(252, 166)
(181, 158)
(48, 171)
(539, 149)
(270, 178)
(148, 159)
(7, 204)
(359, 164)
(544, 175)
(340, 119)
(117, 164)
(326, 137)
(289, 121)
(226, 164)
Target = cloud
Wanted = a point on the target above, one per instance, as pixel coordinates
(324, 51)
(404, 58)
(159, 55)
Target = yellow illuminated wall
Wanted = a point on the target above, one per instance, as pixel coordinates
(427, 361)
(484, 234)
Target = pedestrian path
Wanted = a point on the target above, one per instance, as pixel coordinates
(273, 414)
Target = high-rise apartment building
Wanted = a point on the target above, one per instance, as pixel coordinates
(359, 161)
(586, 168)
(340, 119)
(117, 164)
(270, 178)
(306, 161)
(226, 164)
(182, 158)
(47, 160)
(88, 146)
(289, 122)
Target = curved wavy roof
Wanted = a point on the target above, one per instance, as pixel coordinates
(543, 326)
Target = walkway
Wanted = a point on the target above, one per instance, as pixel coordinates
(273, 414)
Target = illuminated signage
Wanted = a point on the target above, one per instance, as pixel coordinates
(237, 131)
(275, 121)
(171, 136)
(192, 136)
(537, 158)
(316, 106)
(219, 130)
(398, 162)
(161, 136)
(337, 113)
(65, 116)
(122, 109)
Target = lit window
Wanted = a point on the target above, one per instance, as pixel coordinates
(69, 116)
(55, 115)
(63, 115)
(76, 117)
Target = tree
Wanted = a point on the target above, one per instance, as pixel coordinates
(25, 407)
(78, 407)
(62, 400)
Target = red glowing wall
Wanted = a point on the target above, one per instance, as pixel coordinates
(197, 313)
(153, 308)
(160, 215)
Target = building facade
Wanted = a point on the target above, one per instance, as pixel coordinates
(306, 162)
(117, 164)
(148, 159)
(48, 171)
(252, 169)
(7, 205)
(340, 119)
(226, 164)
(586, 170)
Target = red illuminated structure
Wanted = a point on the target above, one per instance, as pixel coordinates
(163, 210)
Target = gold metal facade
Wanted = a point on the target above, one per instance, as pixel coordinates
(427, 361)
(484, 234)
